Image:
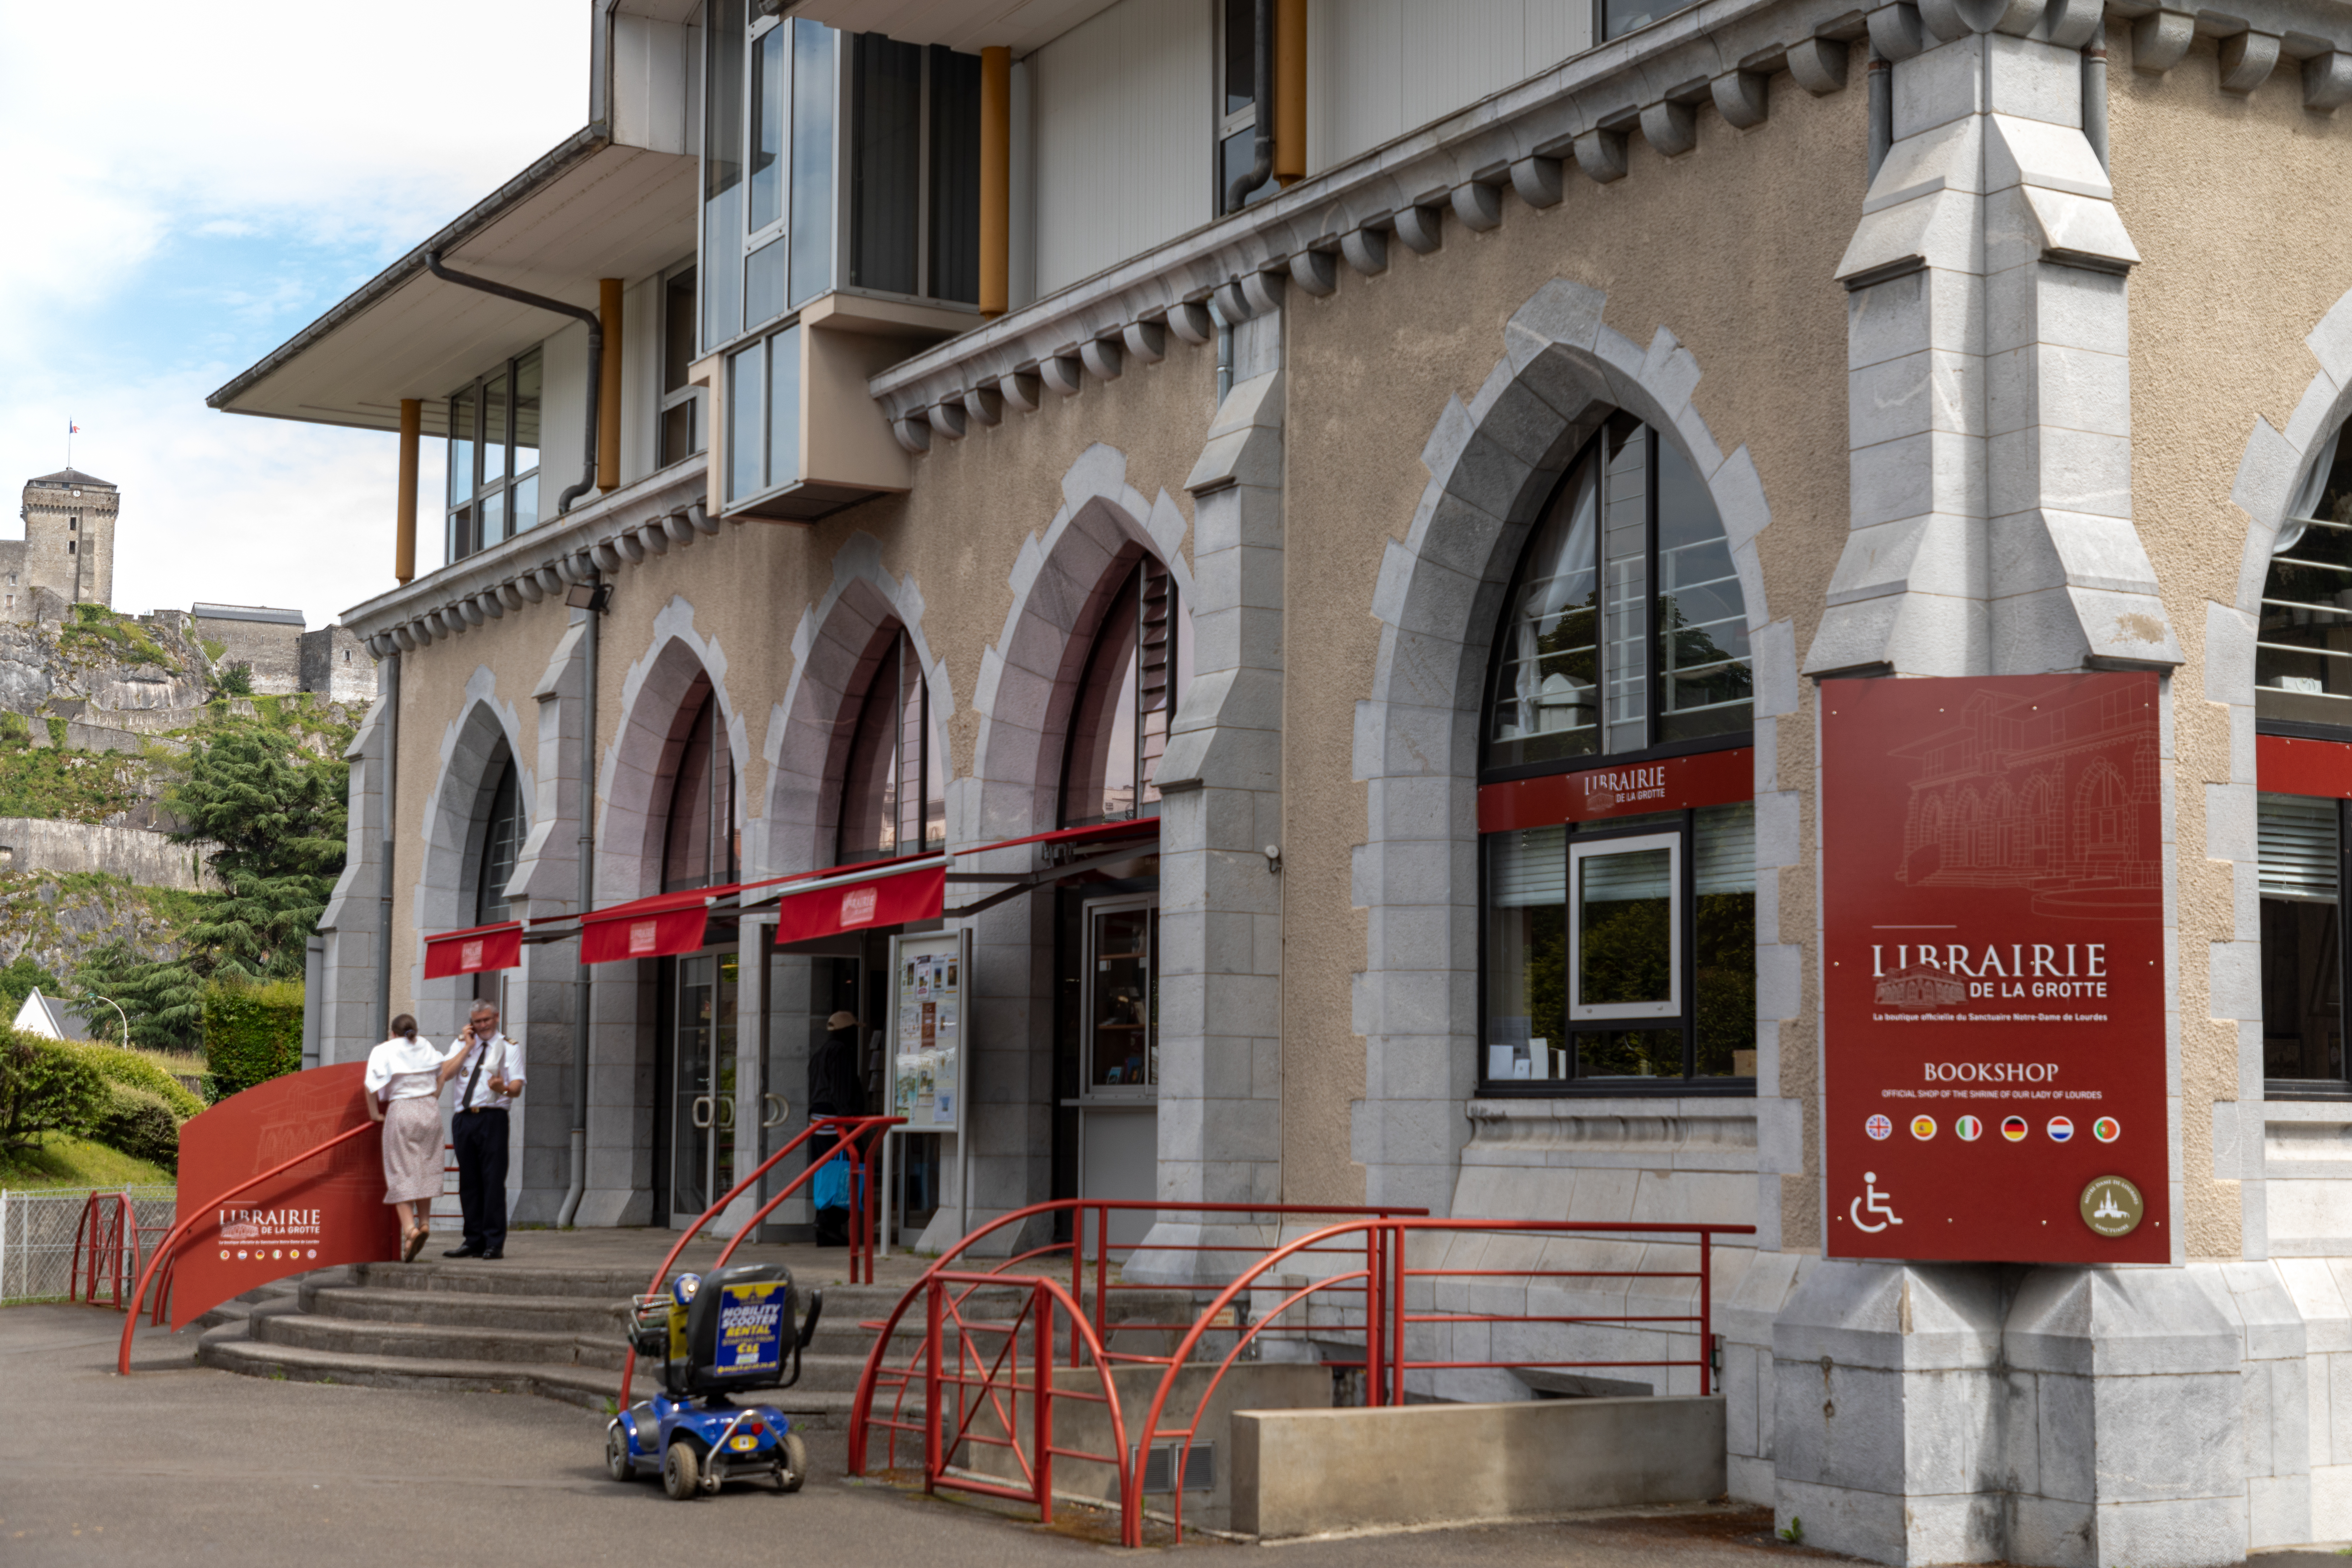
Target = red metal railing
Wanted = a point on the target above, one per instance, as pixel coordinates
(108, 1233)
(855, 1137)
(980, 1382)
(167, 1251)
(1384, 1282)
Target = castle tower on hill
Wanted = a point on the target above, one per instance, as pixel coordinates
(67, 550)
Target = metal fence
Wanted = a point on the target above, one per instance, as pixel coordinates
(36, 1235)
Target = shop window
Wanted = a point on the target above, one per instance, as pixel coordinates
(894, 794)
(1135, 675)
(699, 841)
(2303, 651)
(494, 456)
(2300, 843)
(502, 827)
(1619, 944)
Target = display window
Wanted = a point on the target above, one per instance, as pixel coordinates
(2302, 843)
(1616, 817)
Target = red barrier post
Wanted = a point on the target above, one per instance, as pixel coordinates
(1042, 1408)
(931, 1386)
(1706, 1305)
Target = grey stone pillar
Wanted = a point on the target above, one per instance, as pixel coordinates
(349, 1021)
(1221, 784)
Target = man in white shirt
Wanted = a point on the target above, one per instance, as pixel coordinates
(490, 1079)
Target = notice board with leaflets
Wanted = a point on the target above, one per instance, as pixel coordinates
(1993, 979)
(930, 980)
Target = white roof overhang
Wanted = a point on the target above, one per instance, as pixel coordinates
(589, 209)
(967, 25)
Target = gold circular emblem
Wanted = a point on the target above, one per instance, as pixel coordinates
(2111, 1207)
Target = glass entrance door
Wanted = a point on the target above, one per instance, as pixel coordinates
(702, 1083)
(1119, 1120)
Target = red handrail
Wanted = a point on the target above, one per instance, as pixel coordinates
(169, 1247)
(854, 1132)
(1078, 1208)
(1384, 1274)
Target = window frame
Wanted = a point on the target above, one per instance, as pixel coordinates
(2313, 1088)
(504, 487)
(1684, 917)
(903, 657)
(690, 391)
(1135, 579)
(1232, 122)
(1584, 847)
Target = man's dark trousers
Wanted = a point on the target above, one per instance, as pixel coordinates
(479, 1140)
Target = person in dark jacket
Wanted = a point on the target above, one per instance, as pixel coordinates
(833, 1091)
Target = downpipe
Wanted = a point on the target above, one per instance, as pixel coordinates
(596, 356)
(1262, 135)
(391, 688)
(578, 1189)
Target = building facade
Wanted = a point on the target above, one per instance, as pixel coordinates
(1343, 573)
(68, 544)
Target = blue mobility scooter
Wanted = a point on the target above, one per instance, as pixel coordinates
(732, 1333)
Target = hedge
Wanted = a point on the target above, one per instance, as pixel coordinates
(140, 1124)
(253, 1032)
(135, 1071)
(46, 1086)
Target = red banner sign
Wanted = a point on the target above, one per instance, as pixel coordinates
(323, 1212)
(2285, 765)
(855, 906)
(649, 928)
(1994, 1040)
(473, 952)
(1635, 789)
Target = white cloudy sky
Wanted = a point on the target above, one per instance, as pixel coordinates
(189, 185)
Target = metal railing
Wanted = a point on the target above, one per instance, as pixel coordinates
(41, 1244)
(1398, 1298)
(855, 1138)
(108, 1243)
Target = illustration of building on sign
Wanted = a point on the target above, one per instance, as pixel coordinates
(2054, 797)
(1921, 986)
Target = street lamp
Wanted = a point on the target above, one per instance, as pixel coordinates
(119, 1013)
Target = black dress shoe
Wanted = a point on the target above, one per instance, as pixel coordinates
(491, 1257)
(465, 1252)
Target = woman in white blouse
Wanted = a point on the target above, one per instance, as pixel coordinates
(404, 1076)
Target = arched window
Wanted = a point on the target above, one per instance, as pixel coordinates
(2303, 680)
(1135, 675)
(699, 845)
(502, 827)
(894, 792)
(1619, 835)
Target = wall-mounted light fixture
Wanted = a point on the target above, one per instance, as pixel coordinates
(597, 597)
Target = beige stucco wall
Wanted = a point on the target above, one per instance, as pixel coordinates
(1731, 249)
(2231, 281)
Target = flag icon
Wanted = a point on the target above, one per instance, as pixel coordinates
(2061, 1129)
(72, 428)
(2014, 1129)
(2106, 1129)
(1923, 1128)
(1968, 1128)
(1879, 1127)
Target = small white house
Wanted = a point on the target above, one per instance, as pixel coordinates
(50, 1020)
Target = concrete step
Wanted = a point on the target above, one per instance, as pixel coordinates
(467, 1309)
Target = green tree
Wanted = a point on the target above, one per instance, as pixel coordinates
(17, 981)
(163, 998)
(278, 814)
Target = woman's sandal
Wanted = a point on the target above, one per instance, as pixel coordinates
(417, 1237)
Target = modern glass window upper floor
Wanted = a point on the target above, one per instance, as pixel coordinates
(494, 456)
(832, 160)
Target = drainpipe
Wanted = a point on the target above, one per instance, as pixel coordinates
(1882, 110)
(2094, 92)
(579, 1187)
(596, 358)
(391, 683)
(1262, 139)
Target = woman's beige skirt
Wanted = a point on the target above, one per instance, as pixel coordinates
(412, 1149)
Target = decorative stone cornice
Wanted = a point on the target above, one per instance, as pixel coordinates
(659, 513)
(1653, 83)
(2256, 39)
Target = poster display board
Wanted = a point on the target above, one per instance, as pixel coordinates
(1993, 979)
(931, 977)
(323, 1212)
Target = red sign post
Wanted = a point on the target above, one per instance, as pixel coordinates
(323, 1211)
(1993, 971)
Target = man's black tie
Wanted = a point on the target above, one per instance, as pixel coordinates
(482, 1054)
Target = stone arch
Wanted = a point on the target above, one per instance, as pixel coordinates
(1493, 464)
(486, 732)
(834, 639)
(1028, 677)
(632, 784)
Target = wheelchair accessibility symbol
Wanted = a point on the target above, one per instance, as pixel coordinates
(1879, 1205)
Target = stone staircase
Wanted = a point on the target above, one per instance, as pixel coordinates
(553, 1331)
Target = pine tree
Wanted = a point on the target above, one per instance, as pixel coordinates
(278, 815)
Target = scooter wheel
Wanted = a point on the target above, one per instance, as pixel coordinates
(681, 1476)
(794, 1473)
(616, 1455)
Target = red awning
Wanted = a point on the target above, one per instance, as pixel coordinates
(648, 928)
(473, 950)
(854, 898)
(1094, 833)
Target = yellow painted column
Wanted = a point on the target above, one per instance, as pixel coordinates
(995, 179)
(404, 547)
(608, 388)
(1290, 91)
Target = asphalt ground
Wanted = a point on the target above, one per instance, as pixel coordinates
(177, 1464)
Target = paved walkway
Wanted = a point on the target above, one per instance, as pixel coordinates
(178, 1465)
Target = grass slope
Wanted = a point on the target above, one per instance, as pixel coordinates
(62, 1162)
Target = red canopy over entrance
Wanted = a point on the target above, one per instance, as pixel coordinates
(648, 928)
(473, 951)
